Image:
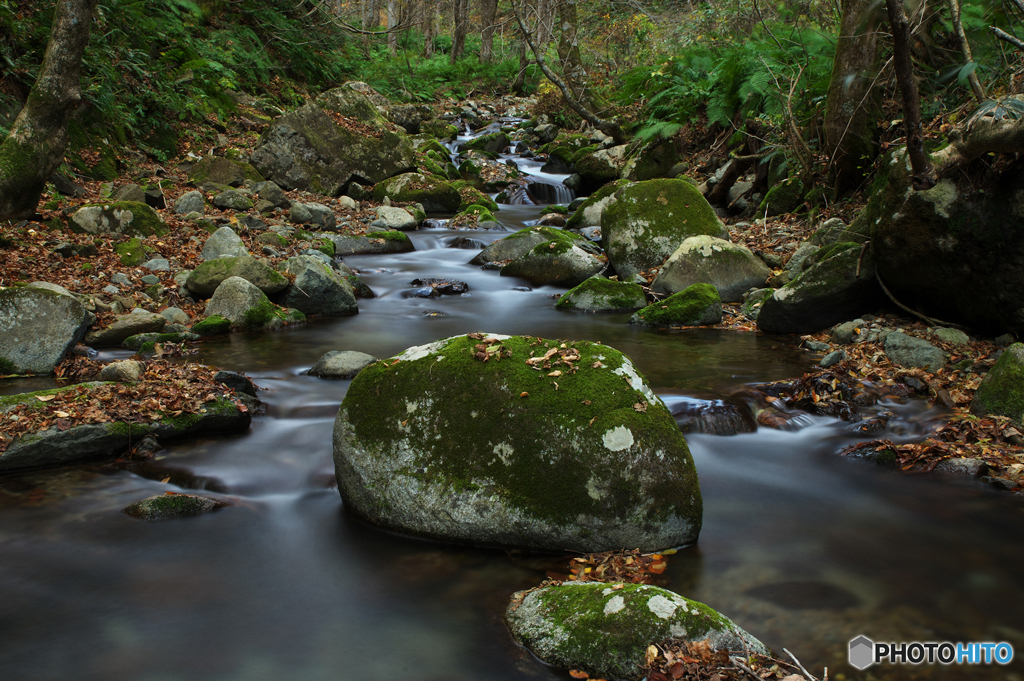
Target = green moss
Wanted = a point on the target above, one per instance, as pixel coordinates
(132, 431)
(212, 326)
(598, 293)
(132, 252)
(325, 246)
(144, 220)
(7, 367)
(439, 129)
(784, 197)
(259, 315)
(392, 236)
(689, 307)
(555, 208)
(584, 404)
(576, 219)
(829, 251)
(55, 224)
(1002, 391)
(140, 340)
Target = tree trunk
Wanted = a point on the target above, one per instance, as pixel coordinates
(429, 28)
(392, 10)
(488, 13)
(35, 146)
(924, 173)
(569, 49)
(460, 19)
(850, 105)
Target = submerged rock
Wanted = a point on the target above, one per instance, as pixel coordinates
(605, 629)
(480, 440)
(168, 506)
(341, 364)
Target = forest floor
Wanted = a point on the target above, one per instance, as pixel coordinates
(27, 254)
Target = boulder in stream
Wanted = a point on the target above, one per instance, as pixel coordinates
(696, 305)
(731, 268)
(554, 263)
(516, 442)
(598, 294)
(434, 194)
(167, 506)
(1002, 390)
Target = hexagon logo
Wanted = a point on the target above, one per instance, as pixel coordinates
(862, 652)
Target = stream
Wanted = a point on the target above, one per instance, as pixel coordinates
(802, 548)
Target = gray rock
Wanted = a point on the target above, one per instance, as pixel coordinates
(300, 214)
(963, 466)
(1006, 340)
(190, 202)
(120, 217)
(174, 315)
(816, 346)
(606, 630)
(157, 265)
(832, 290)
(731, 268)
(232, 200)
(341, 364)
(318, 289)
(167, 506)
(37, 328)
(128, 192)
(751, 306)
(1002, 390)
(112, 336)
(546, 133)
(445, 446)
(111, 289)
(150, 279)
(952, 336)
(127, 371)
(385, 242)
(846, 333)
(241, 303)
(396, 219)
(270, 192)
(224, 243)
(348, 202)
(54, 446)
(516, 244)
(795, 266)
(557, 266)
(833, 358)
(322, 216)
(910, 352)
(240, 383)
(218, 170)
(835, 231)
(205, 279)
(598, 294)
(120, 278)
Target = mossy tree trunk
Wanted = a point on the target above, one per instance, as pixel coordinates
(35, 146)
(850, 104)
(488, 13)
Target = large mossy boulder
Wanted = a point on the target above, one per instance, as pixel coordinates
(731, 268)
(516, 442)
(600, 167)
(433, 193)
(554, 263)
(494, 143)
(955, 251)
(55, 446)
(696, 305)
(1001, 393)
(522, 242)
(598, 294)
(38, 326)
(592, 209)
(131, 218)
(605, 629)
(241, 303)
(317, 288)
(649, 220)
(205, 278)
(308, 150)
(375, 243)
(840, 286)
(222, 171)
(357, 106)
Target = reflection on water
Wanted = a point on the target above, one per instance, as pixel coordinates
(800, 547)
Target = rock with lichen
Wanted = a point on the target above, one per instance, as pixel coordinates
(38, 326)
(598, 294)
(516, 442)
(167, 506)
(1002, 391)
(731, 268)
(696, 305)
(605, 629)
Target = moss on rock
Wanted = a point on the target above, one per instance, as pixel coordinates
(212, 326)
(133, 252)
(516, 450)
(1002, 391)
(598, 294)
(696, 305)
(168, 506)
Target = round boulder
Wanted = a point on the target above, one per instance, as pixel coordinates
(339, 364)
(516, 442)
(731, 268)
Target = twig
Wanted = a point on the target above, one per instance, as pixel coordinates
(736, 661)
(930, 320)
(806, 673)
(860, 260)
(1003, 35)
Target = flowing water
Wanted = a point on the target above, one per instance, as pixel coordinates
(802, 548)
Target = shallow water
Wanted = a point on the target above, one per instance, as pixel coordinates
(800, 547)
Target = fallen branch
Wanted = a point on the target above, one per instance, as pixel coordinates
(931, 321)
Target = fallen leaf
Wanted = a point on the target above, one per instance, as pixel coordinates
(167, 479)
(577, 674)
(556, 373)
(524, 394)
(45, 398)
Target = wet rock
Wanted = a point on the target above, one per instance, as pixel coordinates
(442, 287)
(466, 242)
(379, 242)
(190, 202)
(650, 220)
(224, 243)
(910, 352)
(445, 445)
(138, 321)
(731, 268)
(396, 219)
(554, 263)
(436, 196)
(221, 171)
(962, 466)
(240, 383)
(519, 243)
(606, 631)
(832, 358)
(125, 371)
(317, 288)
(713, 417)
(1002, 390)
(38, 326)
(836, 288)
(128, 192)
(205, 279)
(167, 506)
(697, 305)
(241, 303)
(598, 294)
(341, 364)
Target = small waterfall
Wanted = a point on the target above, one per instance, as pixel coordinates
(545, 192)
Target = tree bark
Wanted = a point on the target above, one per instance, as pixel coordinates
(429, 27)
(850, 105)
(569, 49)
(35, 146)
(460, 18)
(488, 13)
(923, 172)
(392, 12)
(965, 48)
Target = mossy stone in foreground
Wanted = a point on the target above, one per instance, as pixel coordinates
(168, 506)
(605, 629)
(212, 326)
(598, 294)
(697, 305)
(545, 456)
(1002, 391)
